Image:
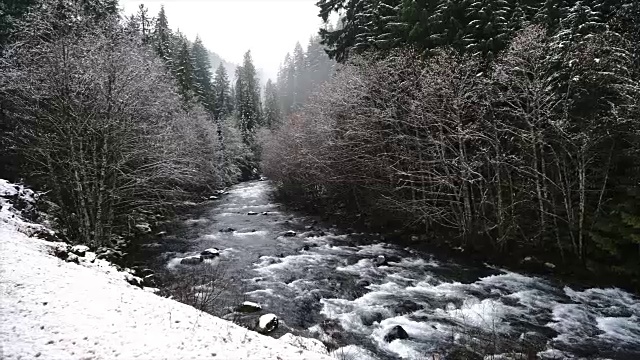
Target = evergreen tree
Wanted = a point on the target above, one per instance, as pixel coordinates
(222, 98)
(286, 85)
(488, 28)
(248, 106)
(299, 76)
(202, 74)
(162, 38)
(271, 111)
(145, 22)
(183, 68)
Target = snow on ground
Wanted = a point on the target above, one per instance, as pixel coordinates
(52, 309)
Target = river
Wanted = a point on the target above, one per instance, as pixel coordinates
(349, 290)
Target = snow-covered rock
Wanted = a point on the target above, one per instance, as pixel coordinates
(79, 250)
(267, 323)
(191, 260)
(309, 344)
(209, 253)
(252, 213)
(249, 306)
(289, 233)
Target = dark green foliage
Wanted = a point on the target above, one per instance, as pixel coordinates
(475, 26)
(222, 97)
(248, 106)
(202, 75)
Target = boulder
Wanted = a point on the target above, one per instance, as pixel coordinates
(210, 253)
(304, 343)
(228, 230)
(249, 307)
(368, 318)
(267, 323)
(161, 233)
(73, 258)
(407, 307)
(109, 254)
(396, 332)
(90, 256)
(380, 260)
(133, 280)
(252, 213)
(149, 281)
(191, 260)
(61, 251)
(265, 213)
(549, 265)
(306, 248)
(213, 197)
(289, 233)
(363, 283)
(79, 250)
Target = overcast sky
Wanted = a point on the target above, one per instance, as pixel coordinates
(270, 28)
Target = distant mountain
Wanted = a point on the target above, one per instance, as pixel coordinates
(216, 60)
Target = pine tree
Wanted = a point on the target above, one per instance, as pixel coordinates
(248, 106)
(286, 85)
(319, 65)
(145, 22)
(202, 74)
(162, 38)
(183, 69)
(272, 117)
(487, 31)
(299, 76)
(222, 98)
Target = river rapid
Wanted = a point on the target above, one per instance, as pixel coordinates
(350, 290)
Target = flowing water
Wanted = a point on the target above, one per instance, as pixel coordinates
(337, 287)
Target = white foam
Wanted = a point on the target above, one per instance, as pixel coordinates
(623, 331)
(250, 233)
(196, 221)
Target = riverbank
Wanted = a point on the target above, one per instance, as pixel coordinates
(85, 308)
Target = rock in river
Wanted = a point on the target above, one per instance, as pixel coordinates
(248, 307)
(210, 253)
(396, 332)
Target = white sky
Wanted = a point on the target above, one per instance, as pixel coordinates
(270, 28)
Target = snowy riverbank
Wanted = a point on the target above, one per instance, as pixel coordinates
(52, 309)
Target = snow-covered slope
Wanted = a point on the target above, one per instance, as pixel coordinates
(52, 309)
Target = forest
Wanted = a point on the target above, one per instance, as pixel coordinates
(504, 128)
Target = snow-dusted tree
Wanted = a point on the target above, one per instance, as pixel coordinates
(183, 69)
(202, 74)
(102, 127)
(248, 106)
(272, 117)
(162, 37)
(222, 98)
